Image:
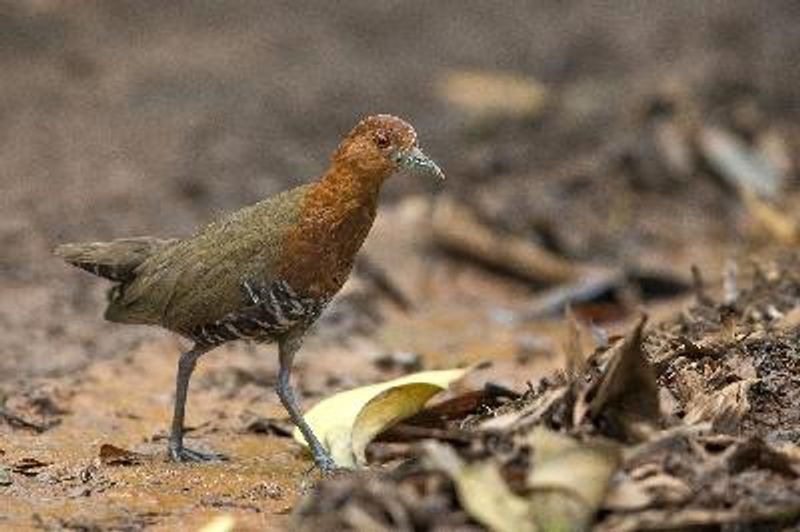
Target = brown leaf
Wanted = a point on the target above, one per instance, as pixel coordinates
(568, 479)
(111, 455)
(627, 394)
(28, 466)
(724, 408)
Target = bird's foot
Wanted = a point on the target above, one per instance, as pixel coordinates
(184, 454)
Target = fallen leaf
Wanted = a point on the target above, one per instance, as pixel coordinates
(724, 408)
(568, 479)
(221, 523)
(28, 466)
(627, 393)
(566, 483)
(482, 491)
(625, 494)
(633, 492)
(111, 455)
(346, 422)
(386, 409)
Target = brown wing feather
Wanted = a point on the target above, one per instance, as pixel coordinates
(200, 279)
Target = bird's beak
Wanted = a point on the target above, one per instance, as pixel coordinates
(416, 161)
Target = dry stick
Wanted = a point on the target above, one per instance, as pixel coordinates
(457, 229)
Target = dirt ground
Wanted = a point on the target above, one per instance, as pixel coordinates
(130, 118)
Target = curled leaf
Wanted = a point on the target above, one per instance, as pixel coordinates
(347, 422)
(627, 394)
(482, 491)
(566, 484)
(568, 479)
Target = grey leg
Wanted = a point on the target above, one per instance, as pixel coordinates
(287, 348)
(177, 451)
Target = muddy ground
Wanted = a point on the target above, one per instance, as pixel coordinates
(129, 118)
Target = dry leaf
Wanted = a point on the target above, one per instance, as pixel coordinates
(568, 479)
(482, 491)
(221, 523)
(724, 408)
(566, 484)
(386, 409)
(346, 422)
(625, 494)
(627, 393)
(111, 455)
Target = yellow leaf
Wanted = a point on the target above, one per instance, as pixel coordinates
(221, 523)
(483, 492)
(345, 423)
(386, 409)
(568, 479)
(566, 484)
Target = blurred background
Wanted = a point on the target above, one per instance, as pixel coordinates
(595, 153)
(596, 131)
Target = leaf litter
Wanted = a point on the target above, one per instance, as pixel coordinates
(684, 423)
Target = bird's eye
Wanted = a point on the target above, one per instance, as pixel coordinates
(381, 140)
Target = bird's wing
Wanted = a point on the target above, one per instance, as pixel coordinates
(200, 279)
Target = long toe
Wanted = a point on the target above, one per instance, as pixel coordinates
(184, 454)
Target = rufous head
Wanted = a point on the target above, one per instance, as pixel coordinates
(380, 145)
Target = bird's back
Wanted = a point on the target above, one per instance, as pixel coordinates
(200, 279)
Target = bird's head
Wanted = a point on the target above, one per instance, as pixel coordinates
(381, 145)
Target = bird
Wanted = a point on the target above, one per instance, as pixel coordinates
(264, 273)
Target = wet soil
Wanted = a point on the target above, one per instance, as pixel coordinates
(151, 118)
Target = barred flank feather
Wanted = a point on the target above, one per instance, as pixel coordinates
(115, 260)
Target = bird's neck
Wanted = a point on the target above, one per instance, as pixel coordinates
(335, 217)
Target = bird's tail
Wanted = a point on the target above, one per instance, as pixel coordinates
(116, 260)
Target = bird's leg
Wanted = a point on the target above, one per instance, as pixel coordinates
(287, 347)
(177, 451)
